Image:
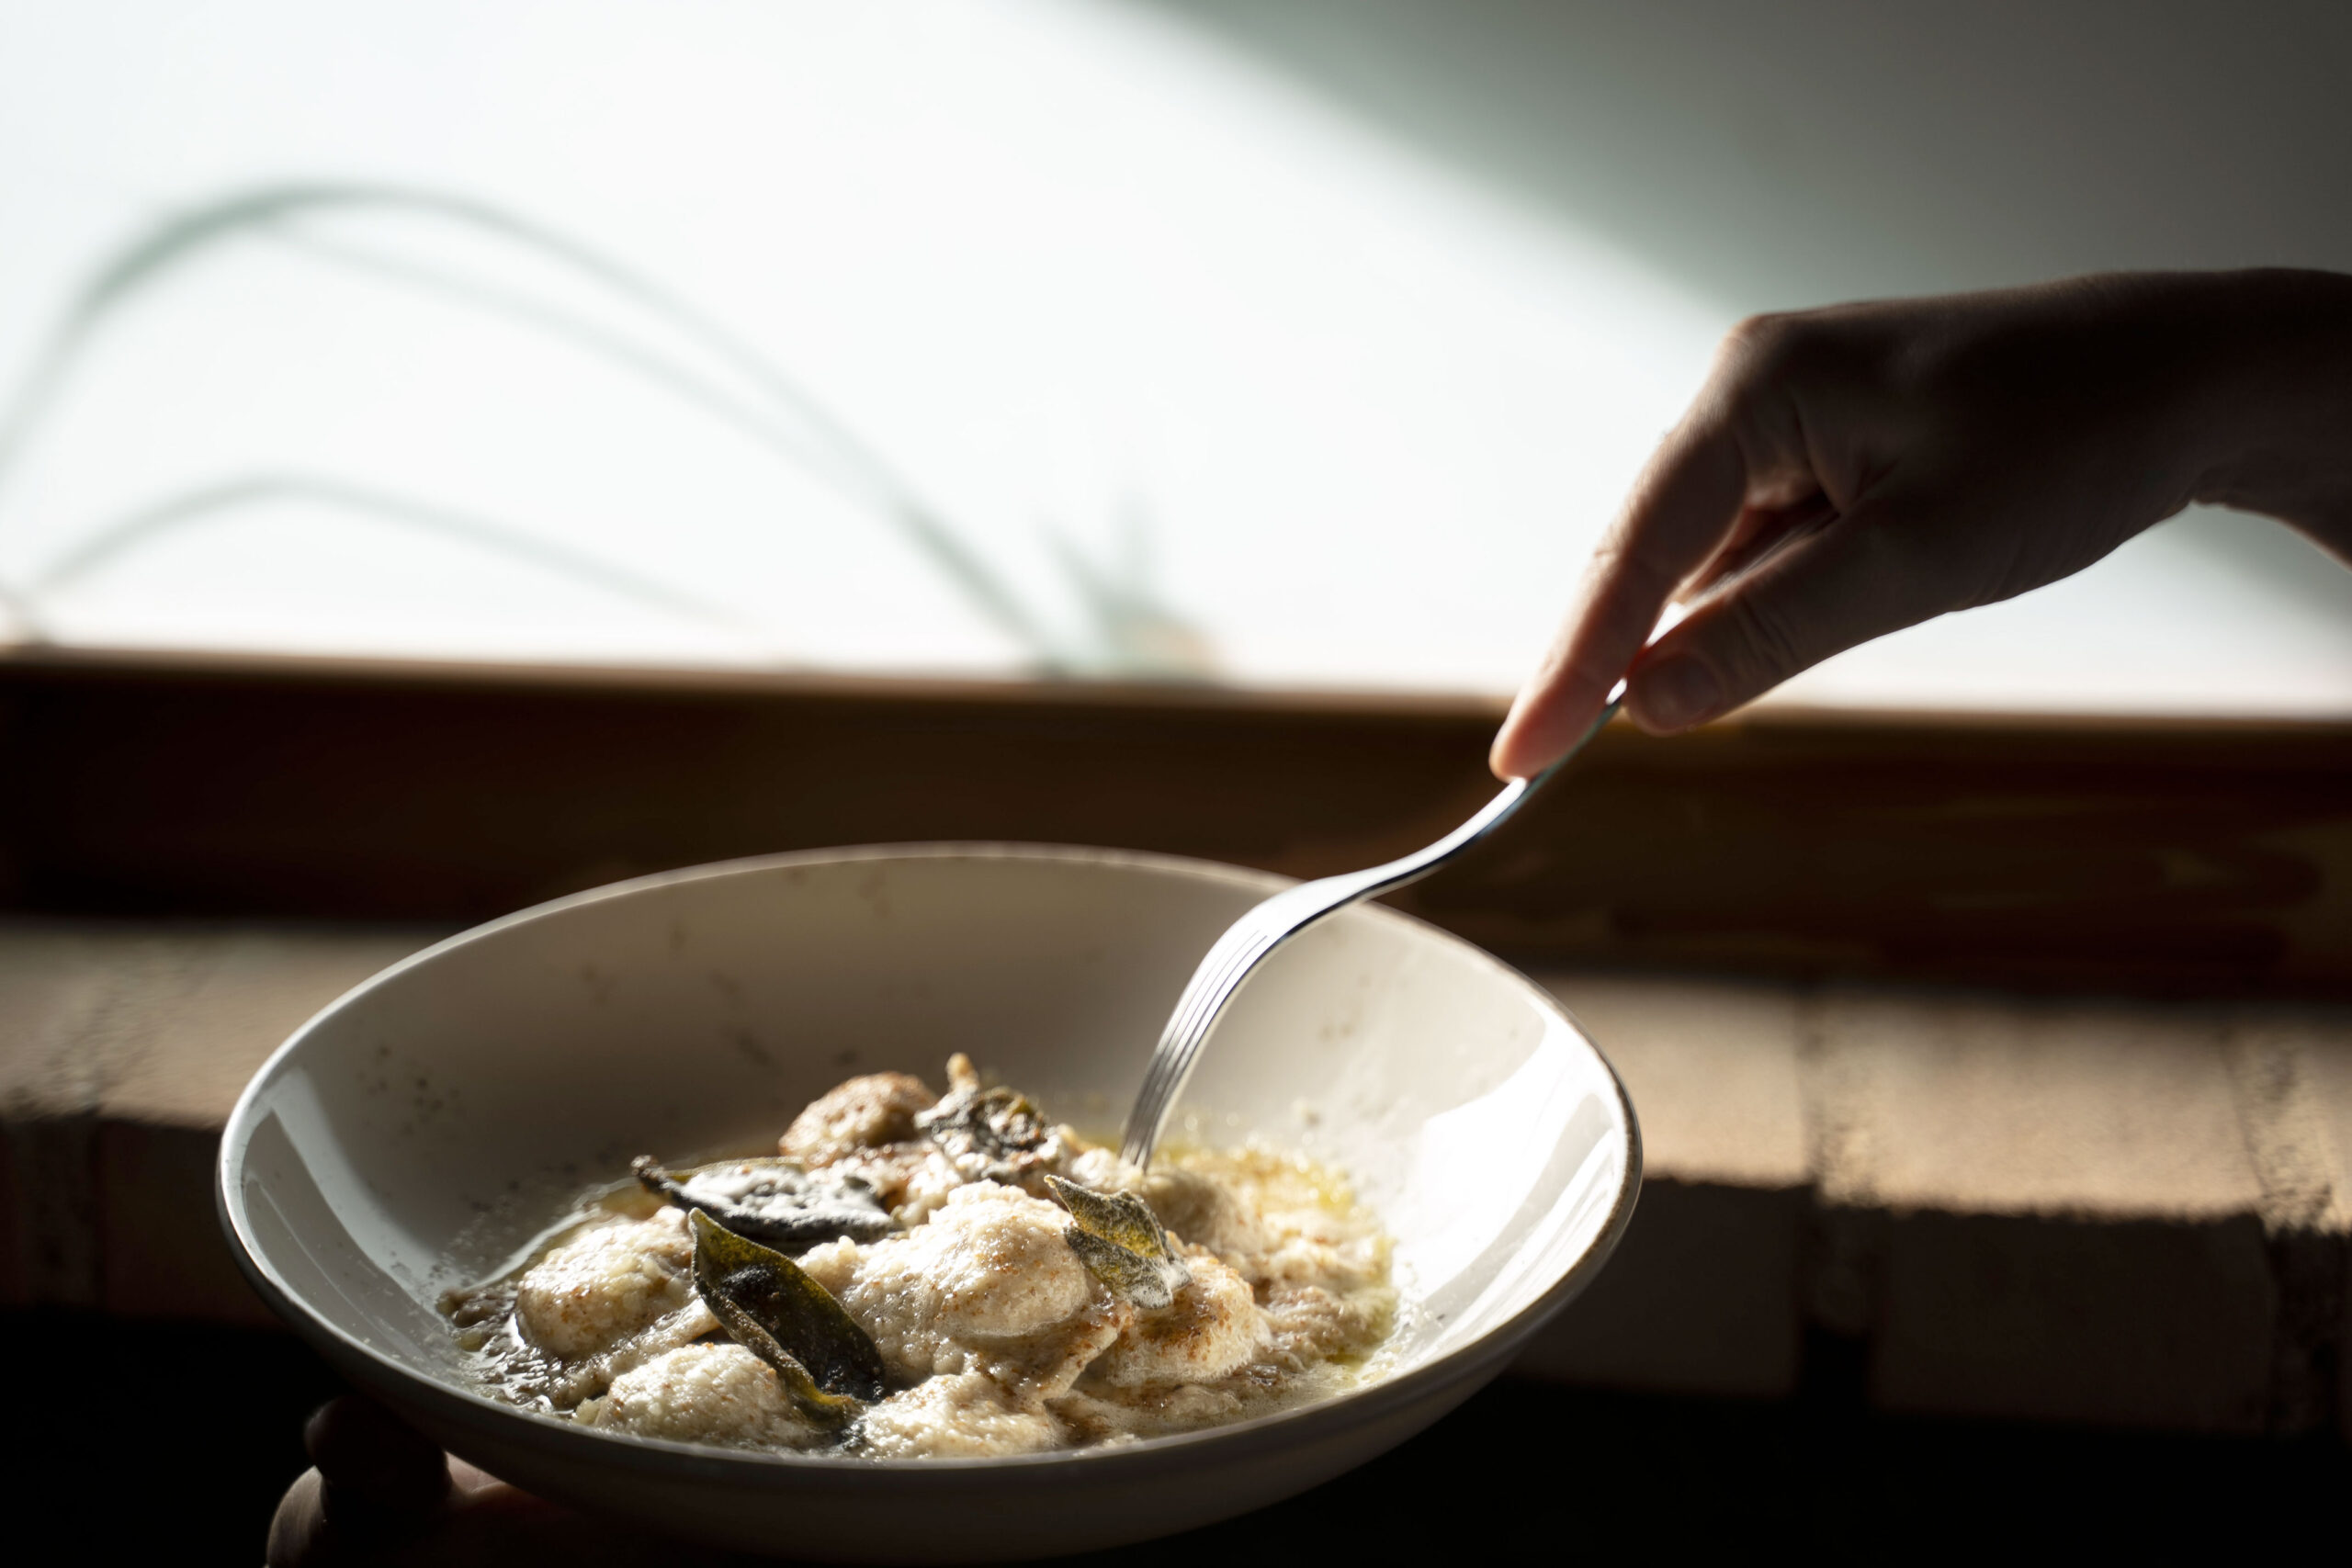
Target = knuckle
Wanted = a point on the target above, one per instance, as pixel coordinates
(1764, 367)
(1759, 334)
(1771, 347)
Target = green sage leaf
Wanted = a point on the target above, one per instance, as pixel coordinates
(1121, 1242)
(772, 1308)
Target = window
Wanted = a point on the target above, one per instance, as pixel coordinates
(1056, 337)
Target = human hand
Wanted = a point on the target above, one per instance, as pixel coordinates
(1851, 471)
(384, 1495)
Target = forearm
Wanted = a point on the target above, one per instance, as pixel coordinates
(2276, 404)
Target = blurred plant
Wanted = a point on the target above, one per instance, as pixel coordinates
(1134, 632)
(1131, 631)
(129, 533)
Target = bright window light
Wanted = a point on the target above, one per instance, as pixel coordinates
(1042, 335)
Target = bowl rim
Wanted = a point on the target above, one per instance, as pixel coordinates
(703, 1462)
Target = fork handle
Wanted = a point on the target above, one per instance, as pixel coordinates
(1272, 921)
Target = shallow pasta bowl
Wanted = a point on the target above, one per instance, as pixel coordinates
(420, 1131)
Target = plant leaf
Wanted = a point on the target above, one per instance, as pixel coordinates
(1121, 1242)
(829, 1364)
(772, 1201)
(988, 1135)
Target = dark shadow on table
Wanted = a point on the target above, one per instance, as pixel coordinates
(172, 1443)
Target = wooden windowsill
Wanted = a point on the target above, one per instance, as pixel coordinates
(2164, 857)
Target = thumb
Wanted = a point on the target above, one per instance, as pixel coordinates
(1858, 578)
(372, 1460)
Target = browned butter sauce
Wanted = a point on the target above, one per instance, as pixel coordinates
(1010, 1313)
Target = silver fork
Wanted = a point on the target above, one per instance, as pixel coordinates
(1269, 924)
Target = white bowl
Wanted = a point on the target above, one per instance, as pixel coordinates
(406, 1138)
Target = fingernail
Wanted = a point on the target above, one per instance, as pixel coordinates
(1677, 692)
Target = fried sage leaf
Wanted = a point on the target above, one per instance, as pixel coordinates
(828, 1363)
(1121, 1242)
(989, 1134)
(774, 1201)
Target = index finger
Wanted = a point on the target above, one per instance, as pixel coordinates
(1686, 499)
